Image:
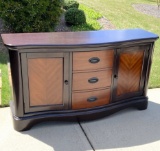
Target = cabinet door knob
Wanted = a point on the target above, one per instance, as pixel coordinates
(94, 60)
(66, 82)
(116, 76)
(93, 80)
(92, 99)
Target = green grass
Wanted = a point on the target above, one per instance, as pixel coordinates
(91, 20)
(123, 15)
(6, 90)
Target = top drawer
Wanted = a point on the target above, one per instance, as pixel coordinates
(92, 60)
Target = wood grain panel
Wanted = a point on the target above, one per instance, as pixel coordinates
(129, 72)
(79, 100)
(81, 60)
(80, 80)
(45, 81)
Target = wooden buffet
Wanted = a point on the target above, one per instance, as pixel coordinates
(77, 75)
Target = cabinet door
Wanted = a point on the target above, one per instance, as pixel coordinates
(45, 81)
(130, 72)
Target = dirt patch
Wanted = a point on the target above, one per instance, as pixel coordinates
(148, 9)
(106, 24)
(62, 27)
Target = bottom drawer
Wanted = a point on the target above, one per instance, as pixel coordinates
(81, 100)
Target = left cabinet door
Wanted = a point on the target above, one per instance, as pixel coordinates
(45, 81)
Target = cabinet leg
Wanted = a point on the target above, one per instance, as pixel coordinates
(142, 106)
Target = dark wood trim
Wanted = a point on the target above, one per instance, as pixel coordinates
(57, 49)
(25, 81)
(115, 75)
(25, 123)
(70, 79)
(148, 67)
(15, 64)
(66, 89)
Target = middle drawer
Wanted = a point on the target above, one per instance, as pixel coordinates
(92, 80)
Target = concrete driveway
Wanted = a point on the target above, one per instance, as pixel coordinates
(127, 130)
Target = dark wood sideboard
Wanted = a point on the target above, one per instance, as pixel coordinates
(77, 75)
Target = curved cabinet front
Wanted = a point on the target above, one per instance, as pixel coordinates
(77, 76)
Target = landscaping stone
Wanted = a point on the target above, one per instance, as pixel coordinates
(148, 9)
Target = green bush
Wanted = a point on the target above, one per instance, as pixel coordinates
(74, 16)
(70, 4)
(30, 15)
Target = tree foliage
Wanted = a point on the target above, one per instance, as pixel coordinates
(74, 16)
(30, 15)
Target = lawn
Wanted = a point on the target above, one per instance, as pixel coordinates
(123, 15)
(6, 90)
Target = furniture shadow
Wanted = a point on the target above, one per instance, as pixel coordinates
(126, 128)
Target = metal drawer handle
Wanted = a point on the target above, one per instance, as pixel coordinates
(92, 99)
(93, 80)
(94, 60)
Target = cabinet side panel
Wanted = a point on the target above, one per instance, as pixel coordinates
(15, 64)
(45, 81)
(129, 72)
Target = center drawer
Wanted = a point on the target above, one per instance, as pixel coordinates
(92, 80)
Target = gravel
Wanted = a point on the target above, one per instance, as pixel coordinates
(151, 10)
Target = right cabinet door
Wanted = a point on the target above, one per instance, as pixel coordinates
(130, 73)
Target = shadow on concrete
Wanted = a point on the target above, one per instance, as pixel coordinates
(126, 128)
(61, 136)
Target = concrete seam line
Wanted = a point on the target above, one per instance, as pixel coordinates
(86, 135)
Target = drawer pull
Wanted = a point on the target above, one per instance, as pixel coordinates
(93, 80)
(94, 60)
(92, 99)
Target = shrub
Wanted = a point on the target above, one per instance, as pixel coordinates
(30, 15)
(74, 16)
(70, 4)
